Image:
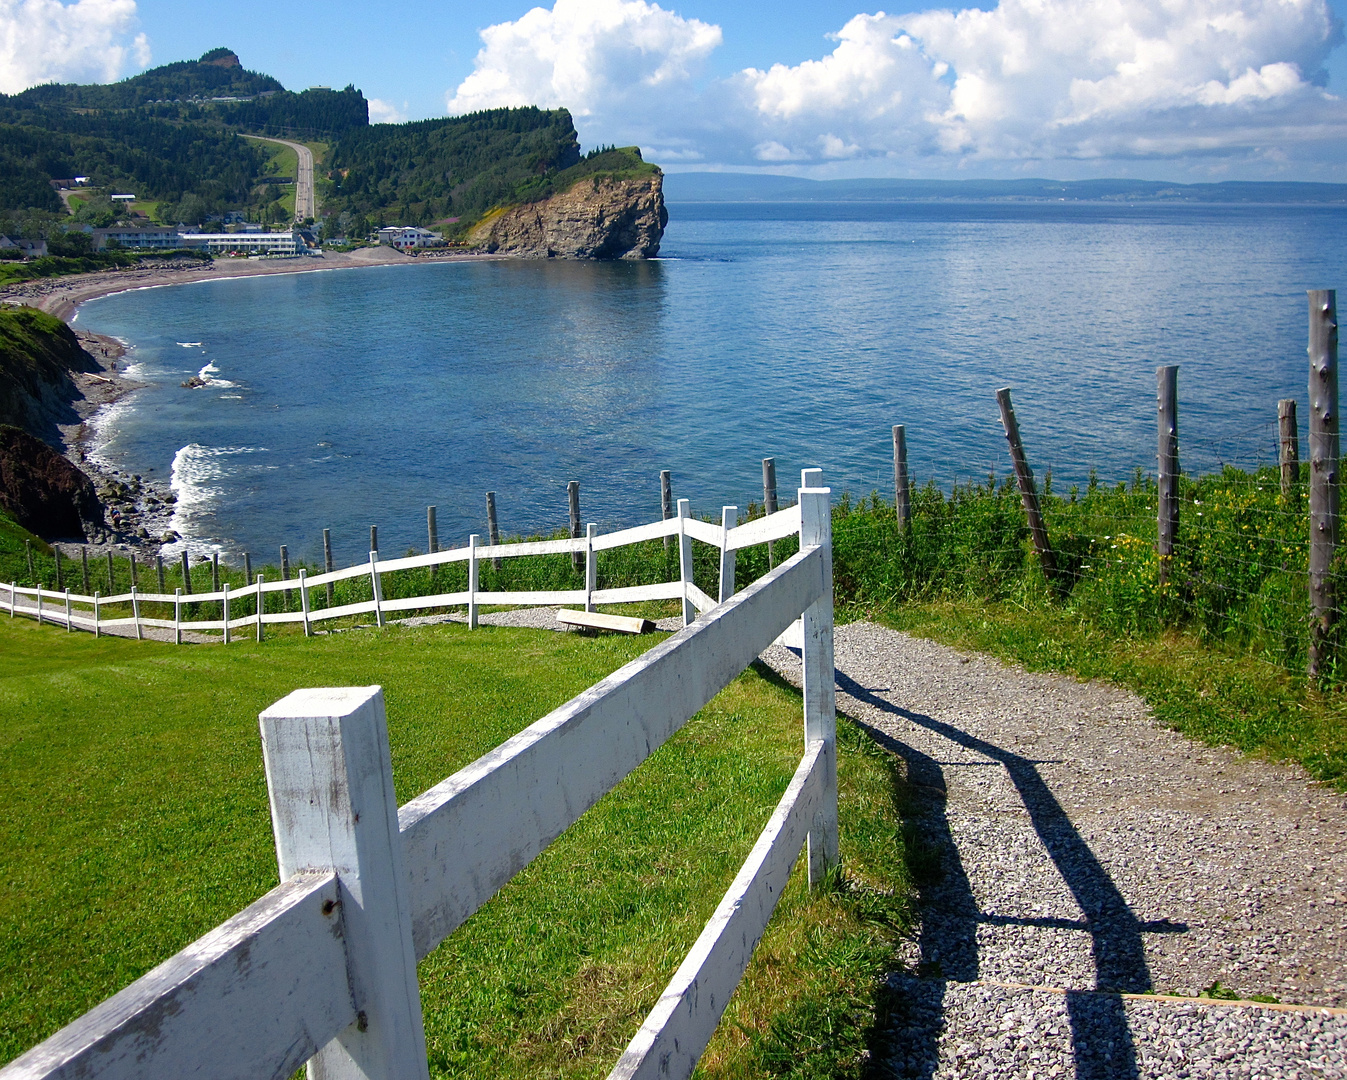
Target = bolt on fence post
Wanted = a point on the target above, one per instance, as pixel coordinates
(330, 785)
(685, 559)
(1167, 507)
(186, 574)
(1028, 493)
(1288, 442)
(902, 492)
(573, 497)
(769, 502)
(327, 565)
(729, 517)
(285, 573)
(84, 563)
(819, 691)
(1323, 352)
(492, 529)
(666, 499)
(591, 566)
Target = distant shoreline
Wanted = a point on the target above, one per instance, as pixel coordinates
(62, 296)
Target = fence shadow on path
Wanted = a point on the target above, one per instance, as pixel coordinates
(1101, 1041)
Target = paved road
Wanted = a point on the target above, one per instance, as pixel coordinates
(305, 207)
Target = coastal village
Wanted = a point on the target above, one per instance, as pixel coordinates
(961, 762)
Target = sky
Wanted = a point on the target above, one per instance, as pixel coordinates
(1185, 90)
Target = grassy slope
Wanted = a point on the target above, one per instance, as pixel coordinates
(137, 819)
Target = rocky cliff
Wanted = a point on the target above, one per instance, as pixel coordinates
(600, 217)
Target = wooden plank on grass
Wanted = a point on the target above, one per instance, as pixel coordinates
(597, 620)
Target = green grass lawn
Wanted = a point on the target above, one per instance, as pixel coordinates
(136, 814)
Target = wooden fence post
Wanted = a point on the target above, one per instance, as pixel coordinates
(902, 493)
(186, 574)
(573, 497)
(492, 529)
(327, 565)
(28, 553)
(1167, 512)
(330, 785)
(769, 502)
(377, 586)
(1028, 493)
(112, 583)
(820, 694)
(474, 541)
(247, 569)
(285, 573)
(591, 566)
(374, 538)
(214, 570)
(304, 603)
(135, 577)
(84, 562)
(159, 573)
(1323, 350)
(1288, 440)
(729, 517)
(685, 560)
(261, 609)
(60, 577)
(666, 500)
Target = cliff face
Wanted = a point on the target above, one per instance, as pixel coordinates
(601, 217)
(37, 354)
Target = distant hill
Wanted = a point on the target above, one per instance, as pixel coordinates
(750, 187)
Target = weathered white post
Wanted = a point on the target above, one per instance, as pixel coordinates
(68, 625)
(260, 609)
(685, 559)
(820, 695)
(330, 784)
(729, 517)
(224, 611)
(474, 542)
(97, 631)
(135, 612)
(177, 616)
(591, 566)
(378, 588)
(39, 602)
(13, 599)
(304, 601)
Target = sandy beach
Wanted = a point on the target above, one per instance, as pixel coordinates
(61, 296)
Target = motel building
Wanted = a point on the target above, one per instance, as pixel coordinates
(243, 243)
(406, 238)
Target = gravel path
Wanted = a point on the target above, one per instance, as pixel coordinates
(1072, 845)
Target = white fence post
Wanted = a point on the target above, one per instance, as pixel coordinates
(13, 599)
(474, 541)
(224, 611)
(97, 632)
(39, 603)
(729, 517)
(69, 626)
(378, 588)
(330, 783)
(177, 616)
(591, 566)
(135, 614)
(685, 559)
(820, 696)
(304, 602)
(260, 606)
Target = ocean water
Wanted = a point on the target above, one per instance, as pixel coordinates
(799, 331)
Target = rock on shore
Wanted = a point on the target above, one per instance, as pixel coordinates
(601, 217)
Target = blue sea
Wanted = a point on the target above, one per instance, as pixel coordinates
(801, 331)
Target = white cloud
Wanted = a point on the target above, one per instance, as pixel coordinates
(386, 112)
(48, 41)
(1028, 81)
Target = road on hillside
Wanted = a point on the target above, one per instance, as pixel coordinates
(304, 201)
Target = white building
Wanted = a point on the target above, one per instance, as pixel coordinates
(405, 237)
(138, 236)
(286, 243)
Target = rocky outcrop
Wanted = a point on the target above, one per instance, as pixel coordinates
(37, 354)
(600, 217)
(43, 492)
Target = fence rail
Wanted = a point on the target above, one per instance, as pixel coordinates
(323, 968)
(78, 611)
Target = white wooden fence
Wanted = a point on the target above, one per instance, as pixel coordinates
(242, 608)
(323, 968)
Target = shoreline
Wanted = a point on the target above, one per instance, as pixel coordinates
(62, 296)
